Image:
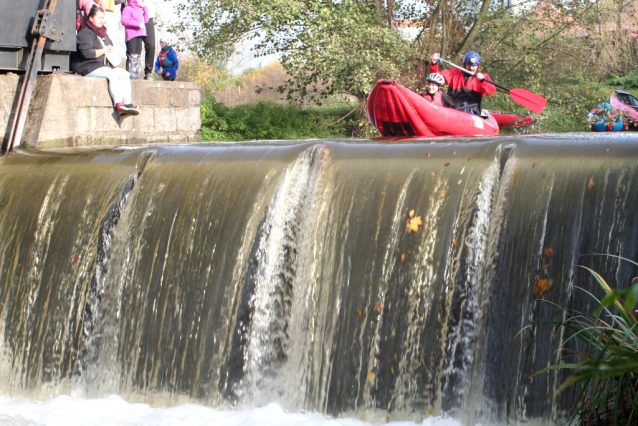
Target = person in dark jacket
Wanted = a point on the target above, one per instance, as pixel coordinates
(433, 92)
(465, 89)
(93, 47)
(167, 61)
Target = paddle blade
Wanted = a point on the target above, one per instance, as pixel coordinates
(528, 99)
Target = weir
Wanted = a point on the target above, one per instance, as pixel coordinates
(244, 274)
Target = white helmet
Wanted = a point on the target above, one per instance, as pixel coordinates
(437, 78)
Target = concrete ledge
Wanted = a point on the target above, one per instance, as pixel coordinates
(70, 110)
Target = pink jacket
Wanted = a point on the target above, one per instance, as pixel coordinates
(132, 16)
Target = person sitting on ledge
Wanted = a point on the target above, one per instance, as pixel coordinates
(93, 48)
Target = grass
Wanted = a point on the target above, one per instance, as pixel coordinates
(607, 371)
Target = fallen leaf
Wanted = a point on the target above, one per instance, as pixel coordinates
(460, 180)
(549, 251)
(76, 258)
(398, 250)
(371, 376)
(419, 332)
(469, 159)
(428, 155)
(387, 419)
(392, 369)
(414, 223)
(395, 357)
(542, 285)
(431, 411)
(379, 307)
(590, 184)
(403, 257)
(358, 314)
(432, 175)
(443, 192)
(382, 192)
(446, 164)
(602, 168)
(411, 213)
(557, 186)
(453, 242)
(544, 269)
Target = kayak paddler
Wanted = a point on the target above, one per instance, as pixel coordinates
(466, 90)
(433, 92)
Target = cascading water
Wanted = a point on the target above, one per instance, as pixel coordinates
(249, 274)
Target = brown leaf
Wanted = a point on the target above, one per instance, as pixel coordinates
(549, 251)
(382, 192)
(453, 242)
(446, 164)
(379, 307)
(403, 257)
(358, 314)
(591, 183)
(76, 258)
(443, 193)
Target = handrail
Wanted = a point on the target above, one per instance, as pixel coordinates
(44, 29)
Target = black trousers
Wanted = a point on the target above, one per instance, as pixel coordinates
(133, 47)
(149, 47)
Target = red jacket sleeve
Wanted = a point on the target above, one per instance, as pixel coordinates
(447, 74)
(487, 88)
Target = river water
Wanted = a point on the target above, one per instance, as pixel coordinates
(281, 281)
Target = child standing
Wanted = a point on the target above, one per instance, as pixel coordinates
(134, 19)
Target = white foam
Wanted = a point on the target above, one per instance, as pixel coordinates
(70, 411)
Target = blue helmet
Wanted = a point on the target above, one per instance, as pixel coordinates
(472, 58)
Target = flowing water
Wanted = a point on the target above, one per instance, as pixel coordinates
(248, 274)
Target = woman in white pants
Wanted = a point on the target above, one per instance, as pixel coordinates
(94, 47)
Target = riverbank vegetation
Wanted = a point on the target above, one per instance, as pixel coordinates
(572, 52)
(604, 345)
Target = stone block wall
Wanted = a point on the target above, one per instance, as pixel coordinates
(70, 110)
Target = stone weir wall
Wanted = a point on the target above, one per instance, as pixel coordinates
(70, 110)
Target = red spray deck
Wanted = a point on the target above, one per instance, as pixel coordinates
(399, 112)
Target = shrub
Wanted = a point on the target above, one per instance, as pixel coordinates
(262, 121)
(608, 368)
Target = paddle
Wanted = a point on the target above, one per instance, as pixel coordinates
(521, 96)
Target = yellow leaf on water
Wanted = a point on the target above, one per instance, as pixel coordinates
(392, 369)
(371, 376)
(413, 224)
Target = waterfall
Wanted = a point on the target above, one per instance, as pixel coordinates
(245, 274)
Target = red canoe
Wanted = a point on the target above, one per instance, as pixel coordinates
(399, 112)
(510, 120)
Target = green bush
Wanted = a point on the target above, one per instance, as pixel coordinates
(263, 121)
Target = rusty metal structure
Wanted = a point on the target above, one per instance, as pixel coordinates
(36, 36)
